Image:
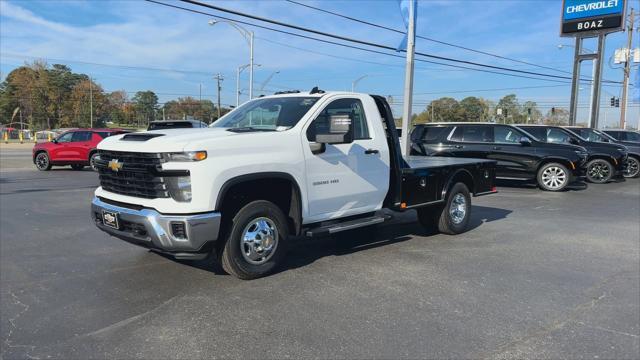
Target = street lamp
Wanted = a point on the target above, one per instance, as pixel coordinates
(264, 83)
(238, 72)
(356, 81)
(248, 36)
(593, 75)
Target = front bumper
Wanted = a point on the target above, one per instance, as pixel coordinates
(156, 231)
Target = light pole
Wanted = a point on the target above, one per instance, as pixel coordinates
(248, 35)
(238, 72)
(264, 83)
(356, 81)
(594, 63)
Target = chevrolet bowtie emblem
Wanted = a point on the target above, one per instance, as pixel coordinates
(115, 165)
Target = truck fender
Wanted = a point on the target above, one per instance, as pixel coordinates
(295, 209)
(461, 175)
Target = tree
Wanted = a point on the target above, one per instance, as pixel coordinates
(86, 98)
(115, 103)
(189, 107)
(510, 109)
(557, 116)
(473, 109)
(531, 113)
(146, 104)
(445, 109)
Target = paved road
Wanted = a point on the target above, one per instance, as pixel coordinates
(541, 275)
(16, 156)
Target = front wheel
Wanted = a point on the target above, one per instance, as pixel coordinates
(42, 162)
(553, 177)
(256, 241)
(632, 167)
(92, 161)
(599, 171)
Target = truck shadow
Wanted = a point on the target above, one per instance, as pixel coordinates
(575, 186)
(404, 227)
(305, 251)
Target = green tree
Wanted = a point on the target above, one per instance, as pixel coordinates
(445, 109)
(146, 104)
(510, 109)
(531, 113)
(557, 116)
(473, 109)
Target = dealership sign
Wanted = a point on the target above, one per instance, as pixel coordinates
(591, 17)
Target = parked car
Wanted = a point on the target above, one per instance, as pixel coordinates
(605, 161)
(76, 148)
(520, 155)
(176, 124)
(624, 135)
(632, 165)
(313, 164)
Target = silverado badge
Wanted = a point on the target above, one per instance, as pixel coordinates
(115, 165)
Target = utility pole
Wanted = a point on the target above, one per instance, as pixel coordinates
(219, 79)
(91, 101)
(408, 78)
(627, 72)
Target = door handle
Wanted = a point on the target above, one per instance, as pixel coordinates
(497, 148)
(371, 151)
(458, 146)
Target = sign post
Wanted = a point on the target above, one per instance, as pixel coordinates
(587, 19)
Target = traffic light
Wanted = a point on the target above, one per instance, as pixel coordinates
(528, 111)
(613, 101)
(553, 111)
(618, 102)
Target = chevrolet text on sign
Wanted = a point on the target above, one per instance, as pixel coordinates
(591, 16)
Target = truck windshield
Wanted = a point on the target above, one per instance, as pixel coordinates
(267, 114)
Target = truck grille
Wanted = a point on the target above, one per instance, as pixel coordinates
(132, 174)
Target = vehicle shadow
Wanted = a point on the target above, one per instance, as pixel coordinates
(575, 186)
(403, 227)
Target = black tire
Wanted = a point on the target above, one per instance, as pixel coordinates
(43, 162)
(77, 167)
(599, 171)
(453, 217)
(632, 167)
(92, 161)
(553, 177)
(236, 254)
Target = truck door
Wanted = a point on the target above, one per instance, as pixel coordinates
(347, 179)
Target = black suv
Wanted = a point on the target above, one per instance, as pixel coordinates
(520, 155)
(605, 161)
(624, 135)
(632, 165)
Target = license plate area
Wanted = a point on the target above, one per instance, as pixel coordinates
(110, 219)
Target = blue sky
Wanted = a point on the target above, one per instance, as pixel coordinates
(89, 35)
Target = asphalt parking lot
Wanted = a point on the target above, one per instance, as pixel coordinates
(540, 275)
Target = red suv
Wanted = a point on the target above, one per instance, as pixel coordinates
(76, 148)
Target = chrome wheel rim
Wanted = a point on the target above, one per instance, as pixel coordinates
(554, 177)
(42, 161)
(632, 167)
(458, 208)
(92, 163)
(259, 241)
(599, 171)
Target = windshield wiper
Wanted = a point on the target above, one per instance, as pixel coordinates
(248, 129)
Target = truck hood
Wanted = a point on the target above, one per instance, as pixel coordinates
(167, 140)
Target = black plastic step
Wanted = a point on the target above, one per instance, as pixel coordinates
(347, 225)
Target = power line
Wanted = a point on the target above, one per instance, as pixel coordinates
(361, 42)
(361, 48)
(424, 37)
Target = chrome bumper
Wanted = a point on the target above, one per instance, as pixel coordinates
(151, 229)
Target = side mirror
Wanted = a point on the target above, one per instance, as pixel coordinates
(340, 131)
(55, 141)
(574, 141)
(525, 141)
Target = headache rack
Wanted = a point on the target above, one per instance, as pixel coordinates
(132, 174)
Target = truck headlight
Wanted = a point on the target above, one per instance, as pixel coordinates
(179, 188)
(186, 156)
